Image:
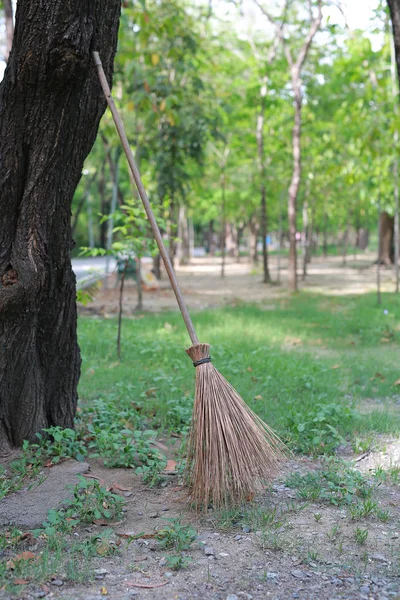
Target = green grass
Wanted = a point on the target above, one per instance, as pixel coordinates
(304, 367)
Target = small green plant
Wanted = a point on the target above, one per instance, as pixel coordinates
(362, 444)
(127, 448)
(229, 518)
(175, 535)
(175, 562)
(362, 509)
(317, 517)
(318, 431)
(58, 443)
(312, 556)
(333, 533)
(92, 502)
(361, 535)
(382, 515)
(389, 475)
(337, 484)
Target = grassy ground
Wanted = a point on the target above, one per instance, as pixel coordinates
(304, 365)
(323, 371)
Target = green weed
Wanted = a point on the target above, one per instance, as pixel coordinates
(361, 535)
(176, 535)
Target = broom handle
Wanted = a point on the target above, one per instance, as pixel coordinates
(143, 196)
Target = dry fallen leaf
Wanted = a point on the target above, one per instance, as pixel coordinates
(147, 585)
(171, 466)
(104, 591)
(20, 581)
(101, 522)
(258, 397)
(397, 382)
(117, 486)
(23, 556)
(385, 340)
(335, 367)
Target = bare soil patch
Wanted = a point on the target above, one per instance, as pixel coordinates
(203, 286)
(299, 549)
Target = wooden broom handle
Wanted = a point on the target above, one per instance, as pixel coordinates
(143, 196)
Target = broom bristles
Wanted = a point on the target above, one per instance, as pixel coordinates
(231, 452)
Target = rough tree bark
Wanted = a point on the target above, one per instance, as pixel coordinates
(50, 107)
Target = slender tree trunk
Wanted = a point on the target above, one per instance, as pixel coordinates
(294, 185)
(280, 239)
(110, 222)
(8, 17)
(223, 224)
(191, 239)
(183, 243)
(306, 240)
(157, 266)
(139, 305)
(50, 107)
(262, 170)
(121, 295)
(378, 264)
(396, 220)
(345, 243)
(211, 240)
(253, 240)
(104, 205)
(90, 222)
(171, 230)
(325, 235)
(395, 94)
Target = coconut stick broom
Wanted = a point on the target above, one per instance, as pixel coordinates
(231, 452)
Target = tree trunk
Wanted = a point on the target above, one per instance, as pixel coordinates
(139, 288)
(325, 235)
(104, 206)
(345, 243)
(378, 265)
(172, 231)
(394, 8)
(264, 230)
(306, 240)
(253, 240)
(191, 239)
(223, 224)
(211, 239)
(183, 243)
(157, 266)
(294, 186)
(50, 107)
(8, 17)
(261, 164)
(386, 231)
(395, 94)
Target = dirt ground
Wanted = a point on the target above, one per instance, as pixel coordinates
(203, 286)
(309, 552)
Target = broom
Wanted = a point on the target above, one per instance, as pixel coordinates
(231, 452)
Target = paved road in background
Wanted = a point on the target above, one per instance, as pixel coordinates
(96, 267)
